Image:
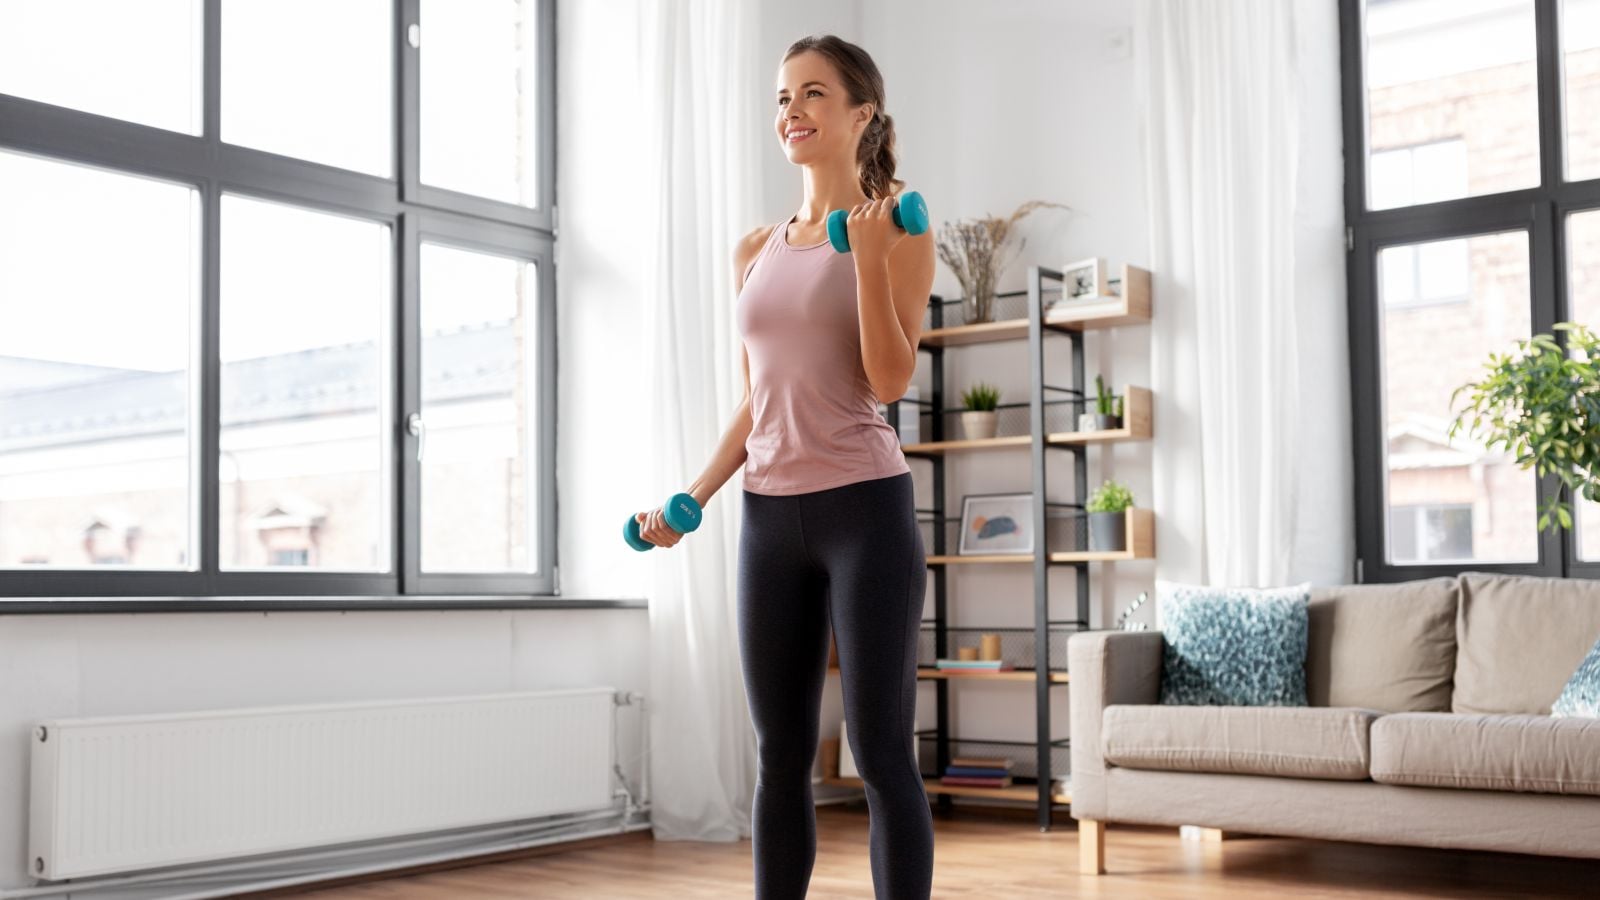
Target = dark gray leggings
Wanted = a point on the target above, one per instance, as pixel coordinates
(852, 556)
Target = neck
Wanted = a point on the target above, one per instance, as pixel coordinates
(830, 186)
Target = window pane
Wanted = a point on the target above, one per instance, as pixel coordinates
(133, 61)
(1453, 500)
(1583, 293)
(1580, 45)
(1453, 84)
(310, 79)
(99, 287)
(479, 402)
(480, 98)
(304, 467)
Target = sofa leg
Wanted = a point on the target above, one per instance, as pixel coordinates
(1205, 835)
(1091, 847)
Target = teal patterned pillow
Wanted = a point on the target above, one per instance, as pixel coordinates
(1233, 646)
(1581, 697)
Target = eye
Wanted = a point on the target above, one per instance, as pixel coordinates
(812, 91)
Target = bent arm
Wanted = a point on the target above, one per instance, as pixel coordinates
(892, 296)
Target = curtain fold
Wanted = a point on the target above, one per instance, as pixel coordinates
(1252, 471)
(700, 133)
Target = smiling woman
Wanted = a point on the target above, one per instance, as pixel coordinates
(830, 540)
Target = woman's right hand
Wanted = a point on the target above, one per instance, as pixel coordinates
(653, 527)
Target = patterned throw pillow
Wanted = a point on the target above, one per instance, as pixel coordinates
(1233, 646)
(1581, 697)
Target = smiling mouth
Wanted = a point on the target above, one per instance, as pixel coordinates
(799, 135)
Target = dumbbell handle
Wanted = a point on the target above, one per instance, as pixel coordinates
(682, 513)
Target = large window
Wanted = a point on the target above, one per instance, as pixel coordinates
(276, 301)
(1472, 152)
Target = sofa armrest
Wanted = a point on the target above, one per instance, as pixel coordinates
(1105, 667)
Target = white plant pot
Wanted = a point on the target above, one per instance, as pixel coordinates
(979, 424)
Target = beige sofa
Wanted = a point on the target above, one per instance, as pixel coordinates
(1428, 725)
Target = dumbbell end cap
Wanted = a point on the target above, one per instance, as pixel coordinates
(838, 232)
(630, 533)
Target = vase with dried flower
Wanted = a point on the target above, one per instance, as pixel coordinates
(975, 251)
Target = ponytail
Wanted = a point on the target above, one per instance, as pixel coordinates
(876, 158)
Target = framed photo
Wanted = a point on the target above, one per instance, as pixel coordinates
(1084, 280)
(996, 523)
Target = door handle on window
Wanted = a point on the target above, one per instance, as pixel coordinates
(417, 430)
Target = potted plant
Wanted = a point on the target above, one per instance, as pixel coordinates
(1108, 516)
(1108, 410)
(980, 417)
(1543, 404)
(973, 249)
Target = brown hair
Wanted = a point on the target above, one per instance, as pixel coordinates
(864, 83)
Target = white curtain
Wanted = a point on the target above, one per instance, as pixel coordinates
(700, 129)
(1239, 113)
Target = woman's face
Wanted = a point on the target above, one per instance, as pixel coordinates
(811, 99)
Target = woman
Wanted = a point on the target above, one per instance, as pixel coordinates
(829, 532)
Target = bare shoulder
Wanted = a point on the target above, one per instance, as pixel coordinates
(745, 251)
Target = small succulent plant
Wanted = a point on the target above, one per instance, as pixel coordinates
(1104, 403)
(981, 397)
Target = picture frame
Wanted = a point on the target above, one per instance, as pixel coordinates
(1083, 281)
(996, 523)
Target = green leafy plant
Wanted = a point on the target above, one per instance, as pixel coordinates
(981, 397)
(1103, 402)
(1113, 496)
(1543, 405)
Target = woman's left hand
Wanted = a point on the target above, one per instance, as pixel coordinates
(872, 230)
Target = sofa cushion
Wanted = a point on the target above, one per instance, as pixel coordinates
(1233, 646)
(1382, 646)
(1581, 696)
(1286, 741)
(1519, 638)
(1530, 753)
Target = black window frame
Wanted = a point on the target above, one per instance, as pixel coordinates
(413, 211)
(1540, 210)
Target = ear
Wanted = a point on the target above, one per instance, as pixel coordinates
(864, 117)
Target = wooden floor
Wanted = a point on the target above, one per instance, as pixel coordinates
(983, 853)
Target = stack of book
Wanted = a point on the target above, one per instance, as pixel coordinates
(978, 771)
(973, 665)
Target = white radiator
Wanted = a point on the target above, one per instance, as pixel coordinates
(118, 793)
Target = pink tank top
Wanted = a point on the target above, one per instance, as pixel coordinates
(816, 422)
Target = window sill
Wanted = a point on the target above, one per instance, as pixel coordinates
(57, 605)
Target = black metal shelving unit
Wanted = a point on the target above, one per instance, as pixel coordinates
(1046, 404)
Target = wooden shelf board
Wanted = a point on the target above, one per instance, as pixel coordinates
(1131, 308)
(1026, 793)
(1016, 440)
(1136, 415)
(927, 672)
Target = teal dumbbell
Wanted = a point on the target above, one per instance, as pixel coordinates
(910, 213)
(682, 514)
